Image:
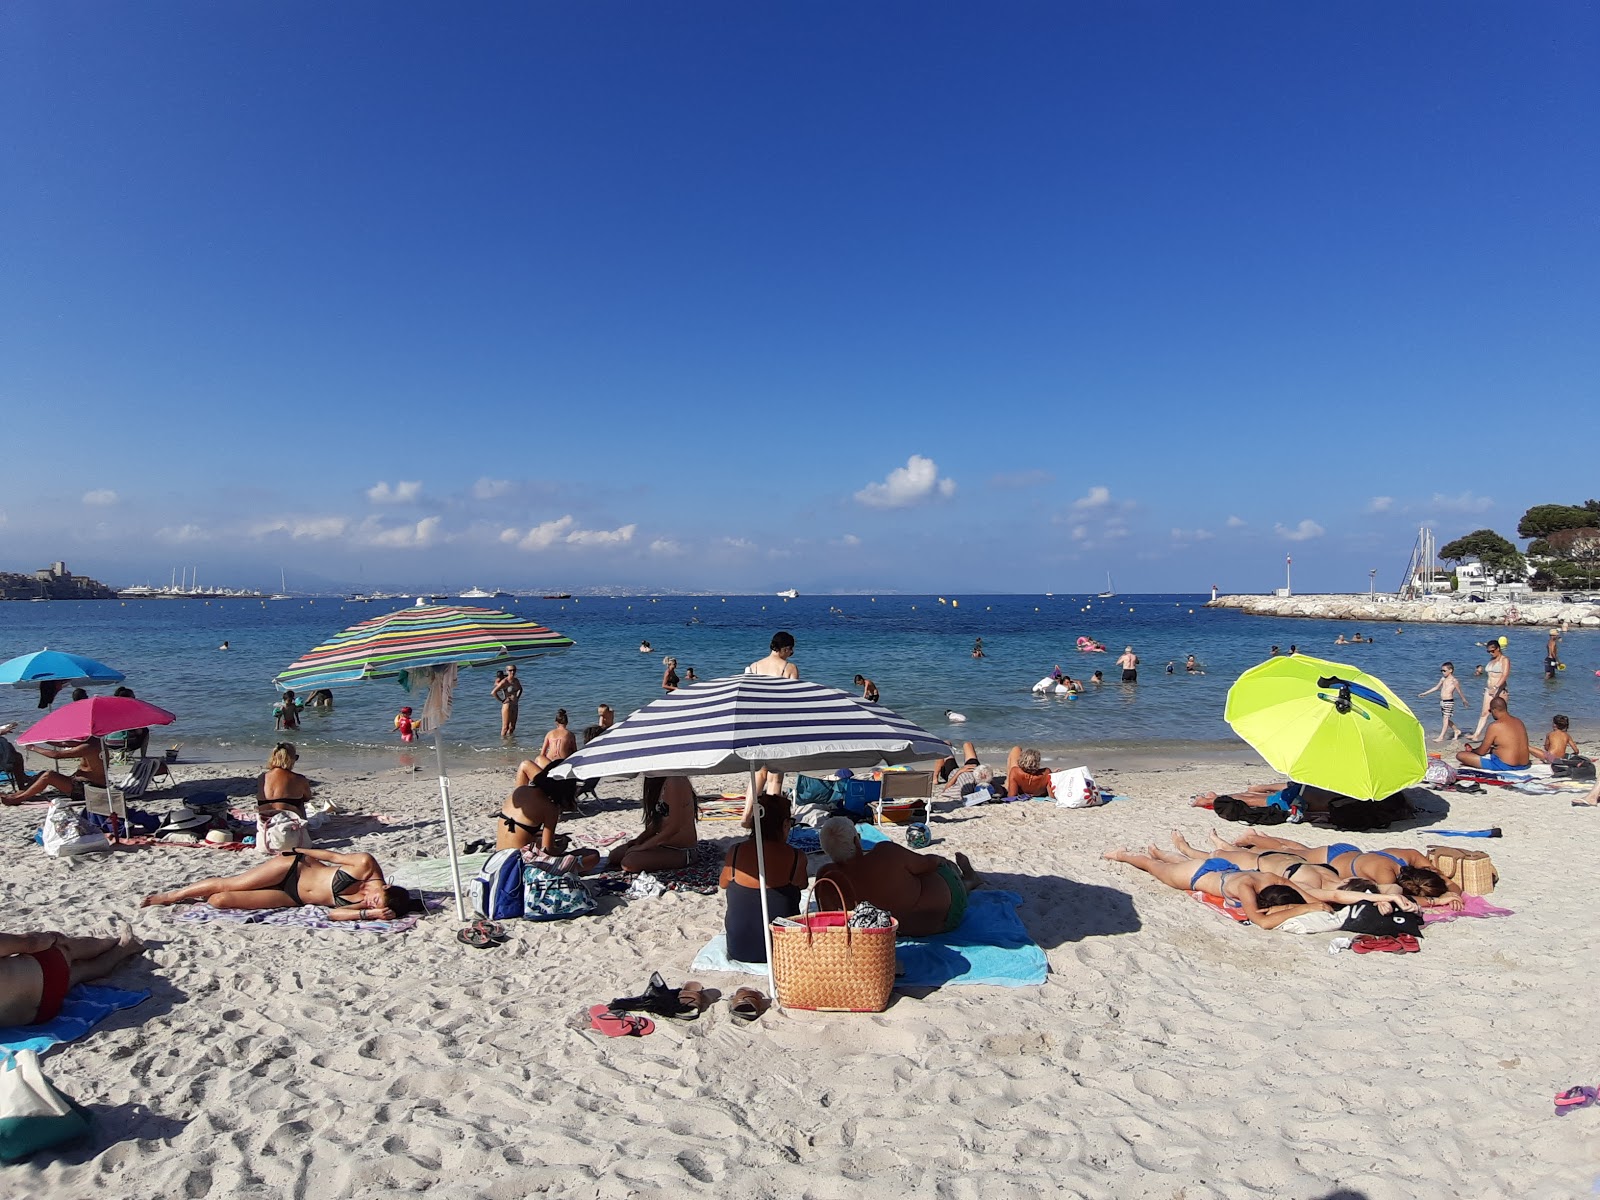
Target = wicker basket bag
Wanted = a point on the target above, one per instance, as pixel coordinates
(826, 965)
(1471, 870)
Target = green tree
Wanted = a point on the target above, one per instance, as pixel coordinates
(1544, 519)
(1498, 556)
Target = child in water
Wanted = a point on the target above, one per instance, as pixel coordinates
(405, 726)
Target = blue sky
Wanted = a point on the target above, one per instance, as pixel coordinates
(925, 296)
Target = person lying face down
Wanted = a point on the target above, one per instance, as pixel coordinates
(925, 893)
(1267, 899)
(1397, 869)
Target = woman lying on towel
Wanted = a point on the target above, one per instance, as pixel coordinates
(350, 886)
(1411, 872)
(1273, 795)
(1266, 899)
(36, 969)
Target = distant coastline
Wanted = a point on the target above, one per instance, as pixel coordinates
(1530, 610)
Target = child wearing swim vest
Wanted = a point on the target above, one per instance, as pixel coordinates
(405, 726)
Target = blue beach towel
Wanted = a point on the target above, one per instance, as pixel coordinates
(85, 1006)
(992, 946)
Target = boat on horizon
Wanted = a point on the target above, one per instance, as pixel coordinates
(557, 596)
(477, 593)
(1109, 592)
(789, 594)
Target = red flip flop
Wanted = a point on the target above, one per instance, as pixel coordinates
(615, 1024)
(1369, 943)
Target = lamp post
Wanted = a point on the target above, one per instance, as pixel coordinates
(1288, 587)
(1372, 582)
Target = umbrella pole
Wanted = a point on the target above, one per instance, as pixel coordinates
(449, 825)
(761, 878)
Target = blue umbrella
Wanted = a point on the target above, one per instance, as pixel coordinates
(49, 671)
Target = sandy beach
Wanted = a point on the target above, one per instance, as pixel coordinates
(1171, 1054)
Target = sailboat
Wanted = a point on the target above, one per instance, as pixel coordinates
(283, 588)
(1109, 592)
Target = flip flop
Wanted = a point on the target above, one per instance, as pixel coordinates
(1575, 1097)
(475, 937)
(748, 1004)
(495, 930)
(1369, 943)
(615, 1024)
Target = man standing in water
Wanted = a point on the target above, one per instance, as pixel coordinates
(778, 665)
(1129, 662)
(508, 690)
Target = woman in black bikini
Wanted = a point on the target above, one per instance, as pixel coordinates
(669, 836)
(786, 879)
(281, 788)
(350, 886)
(527, 817)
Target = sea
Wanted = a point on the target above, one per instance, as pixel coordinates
(917, 649)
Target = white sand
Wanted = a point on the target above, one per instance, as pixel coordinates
(1171, 1054)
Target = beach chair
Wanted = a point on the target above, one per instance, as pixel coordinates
(903, 797)
(139, 777)
(108, 802)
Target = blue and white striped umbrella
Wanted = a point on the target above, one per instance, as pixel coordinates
(745, 722)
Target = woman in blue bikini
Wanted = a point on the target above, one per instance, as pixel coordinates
(1414, 873)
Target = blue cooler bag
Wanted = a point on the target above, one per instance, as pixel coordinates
(497, 891)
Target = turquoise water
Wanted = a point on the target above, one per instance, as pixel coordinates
(914, 647)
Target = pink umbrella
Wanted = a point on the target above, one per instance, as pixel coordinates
(96, 717)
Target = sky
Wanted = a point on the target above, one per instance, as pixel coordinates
(873, 296)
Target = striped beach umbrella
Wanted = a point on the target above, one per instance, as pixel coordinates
(425, 643)
(427, 635)
(744, 723)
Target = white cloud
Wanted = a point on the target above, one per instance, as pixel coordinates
(1237, 522)
(179, 534)
(401, 536)
(734, 543)
(1098, 497)
(1302, 532)
(1079, 533)
(666, 547)
(100, 498)
(403, 492)
(1380, 504)
(848, 539)
(1466, 502)
(563, 530)
(313, 529)
(911, 484)
(492, 489)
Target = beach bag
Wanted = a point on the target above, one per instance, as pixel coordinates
(553, 895)
(1439, 773)
(67, 831)
(33, 1115)
(1470, 870)
(497, 892)
(1573, 767)
(812, 791)
(282, 831)
(1369, 814)
(1365, 917)
(820, 963)
(1074, 788)
(1231, 808)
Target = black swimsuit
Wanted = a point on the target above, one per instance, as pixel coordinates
(343, 881)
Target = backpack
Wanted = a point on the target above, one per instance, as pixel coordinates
(1573, 767)
(553, 895)
(1365, 918)
(497, 890)
(1231, 808)
(1369, 814)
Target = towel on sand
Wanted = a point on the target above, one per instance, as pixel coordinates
(991, 946)
(309, 916)
(85, 1006)
(1472, 906)
(433, 874)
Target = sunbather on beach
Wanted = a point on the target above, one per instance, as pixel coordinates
(528, 816)
(281, 788)
(1412, 871)
(927, 894)
(786, 879)
(1317, 883)
(1504, 746)
(669, 836)
(36, 969)
(1025, 776)
(350, 886)
(955, 774)
(91, 772)
(1268, 900)
(1273, 795)
(1558, 743)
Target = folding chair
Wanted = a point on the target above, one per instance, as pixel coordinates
(904, 797)
(139, 777)
(107, 802)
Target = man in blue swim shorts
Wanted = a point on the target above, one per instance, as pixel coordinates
(1505, 742)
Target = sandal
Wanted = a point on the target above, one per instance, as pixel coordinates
(693, 999)
(615, 1024)
(477, 938)
(496, 931)
(1575, 1097)
(657, 998)
(748, 1004)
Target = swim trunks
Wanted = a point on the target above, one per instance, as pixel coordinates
(1447, 707)
(1490, 762)
(57, 976)
(1130, 677)
(958, 896)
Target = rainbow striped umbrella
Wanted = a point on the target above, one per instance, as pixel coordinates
(417, 640)
(428, 635)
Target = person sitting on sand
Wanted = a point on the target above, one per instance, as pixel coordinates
(1504, 746)
(1414, 873)
(528, 816)
(91, 772)
(786, 879)
(669, 838)
(1267, 900)
(350, 886)
(36, 969)
(927, 894)
(1558, 744)
(281, 788)
(558, 744)
(1025, 776)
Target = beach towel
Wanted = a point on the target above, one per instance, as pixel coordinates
(309, 916)
(1218, 905)
(433, 874)
(1472, 906)
(85, 1006)
(991, 946)
(805, 839)
(700, 876)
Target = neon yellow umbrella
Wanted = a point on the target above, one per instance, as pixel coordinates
(1328, 725)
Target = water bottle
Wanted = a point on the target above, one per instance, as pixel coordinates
(1340, 943)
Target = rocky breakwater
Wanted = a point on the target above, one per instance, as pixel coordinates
(1447, 610)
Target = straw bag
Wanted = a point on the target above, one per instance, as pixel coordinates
(1471, 870)
(819, 962)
